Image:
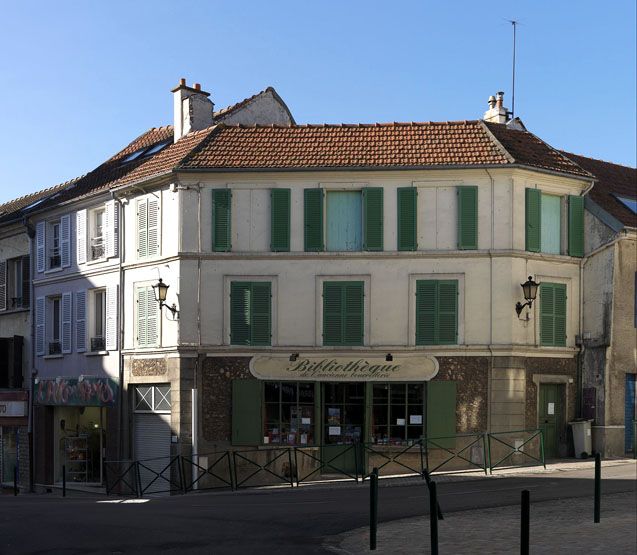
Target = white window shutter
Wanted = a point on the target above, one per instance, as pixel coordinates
(39, 325)
(67, 319)
(152, 320)
(153, 226)
(65, 240)
(141, 317)
(3, 285)
(111, 317)
(80, 321)
(39, 246)
(80, 241)
(142, 228)
(112, 225)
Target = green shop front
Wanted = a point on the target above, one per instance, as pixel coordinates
(338, 412)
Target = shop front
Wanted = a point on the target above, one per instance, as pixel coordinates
(13, 436)
(73, 426)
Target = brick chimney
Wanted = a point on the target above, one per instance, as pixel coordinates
(193, 110)
(496, 113)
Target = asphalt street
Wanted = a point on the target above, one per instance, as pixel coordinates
(262, 521)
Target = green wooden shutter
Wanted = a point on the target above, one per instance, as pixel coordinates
(332, 313)
(559, 321)
(447, 318)
(547, 310)
(247, 412)
(441, 413)
(221, 219)
(353, 317)
(576, 226)
(533, 220)
(468, 217)
(313, 214)
(407, 218)
(426, 322)
(260, 313)
(240, 321)
(280, 216)
(373, 218)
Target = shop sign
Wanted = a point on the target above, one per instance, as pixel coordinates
(13, 409)
(345, 369)
(85, 391)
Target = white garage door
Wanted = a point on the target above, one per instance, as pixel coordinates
(152, 450)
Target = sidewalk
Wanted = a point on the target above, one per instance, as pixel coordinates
(562, 526)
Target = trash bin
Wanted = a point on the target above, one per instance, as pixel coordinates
(582, 437)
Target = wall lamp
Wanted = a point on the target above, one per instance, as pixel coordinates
(530, 293)
(389, 357)
(160, 289)
(293, 357)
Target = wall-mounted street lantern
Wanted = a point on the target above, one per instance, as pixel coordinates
(530, 293)
(160, 289)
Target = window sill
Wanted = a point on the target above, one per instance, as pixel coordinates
(14, 310)
(53, 270)
(96, 260)
(51, 357)
(96, 353)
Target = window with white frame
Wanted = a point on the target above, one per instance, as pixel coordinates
(15, 283)
(98, 320)
(55, 326)
(152, 398)
(97, 229)
(55, 258)
(53, 244)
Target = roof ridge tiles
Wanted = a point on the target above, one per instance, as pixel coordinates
(567, 154)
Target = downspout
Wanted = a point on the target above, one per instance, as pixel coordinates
(31, 234)
(489, 381)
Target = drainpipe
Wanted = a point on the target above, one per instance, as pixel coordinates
(490, 380)
(31, 234)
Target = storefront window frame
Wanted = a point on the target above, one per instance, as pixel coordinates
(280, 403)
(406, 413)
(155, 400)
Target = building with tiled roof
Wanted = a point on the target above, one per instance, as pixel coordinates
(298, 259)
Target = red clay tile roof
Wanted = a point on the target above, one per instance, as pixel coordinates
(391, 145)
(613, 179)
(12, 207)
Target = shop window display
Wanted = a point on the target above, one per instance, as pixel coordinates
(289, 413)
(397, 413)
(344, 412)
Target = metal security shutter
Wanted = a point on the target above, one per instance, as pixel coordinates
(152, 448)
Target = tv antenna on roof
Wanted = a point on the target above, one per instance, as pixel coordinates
(515, 24)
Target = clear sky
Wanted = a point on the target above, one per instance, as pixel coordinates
(79, 80)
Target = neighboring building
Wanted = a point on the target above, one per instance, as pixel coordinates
(609, 337)
(80, 252)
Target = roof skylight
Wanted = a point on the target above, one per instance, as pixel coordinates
(146, 151)
(629, 203)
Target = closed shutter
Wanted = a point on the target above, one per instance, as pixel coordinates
(152, 448)
(426, 322)
(353, 317)
(39, 246)
(80, 236)
(533, 214)
(343, 313)
(447, 312)
(3, 285)
(240, 313)
(576, 226)
(153, 226)
(313, 219)
(39, 325)
(247, 412)
(26, 281)
(332, 314)
(468, 217)
(221, 219)
(436, 312)
(280, 224)
(111, 317)
(407, 218)
(142, 228)
(65, 241)
(441, 413)
(260, 312)
(553, 314)
(373, 218)
(142, 318)
(111, 233)
(80, 321)
(67, 319)
(147, 318)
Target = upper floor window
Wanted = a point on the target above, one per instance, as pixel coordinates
(15, 283)
(97, 232)
(553, 314)
(353, 220)
(55, 329)
(147, 322)
(436, 312)
(53, 244)
(98, 324)
(251, 313)
(148, 227)
(554, 224)
(343, 313)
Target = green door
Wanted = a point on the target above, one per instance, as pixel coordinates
(343, 426)
(550, 416)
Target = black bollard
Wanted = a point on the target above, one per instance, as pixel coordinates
(433, 517)
(526, 511)
(373, 508)
(598, 486)
(428, 481)
(15, 480)
(63, 480)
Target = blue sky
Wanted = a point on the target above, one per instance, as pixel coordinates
(79, 80)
